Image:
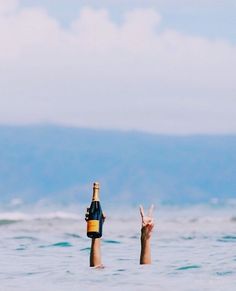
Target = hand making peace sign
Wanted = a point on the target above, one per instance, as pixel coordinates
(147, 222)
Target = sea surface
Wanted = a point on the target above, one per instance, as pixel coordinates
(193, 248)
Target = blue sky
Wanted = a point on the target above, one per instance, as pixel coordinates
(213, 19)
(156, 66)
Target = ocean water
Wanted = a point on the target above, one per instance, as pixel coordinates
(193, 248)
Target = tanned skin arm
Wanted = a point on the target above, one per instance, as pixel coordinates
(95, 253)
(146, 232)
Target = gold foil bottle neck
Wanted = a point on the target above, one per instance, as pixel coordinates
(96, 185)
(96, 191)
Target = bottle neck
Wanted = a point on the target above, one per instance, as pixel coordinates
(95, 194)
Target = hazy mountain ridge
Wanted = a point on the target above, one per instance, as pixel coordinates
(61, 163)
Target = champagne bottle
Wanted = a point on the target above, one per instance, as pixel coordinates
(95, 217)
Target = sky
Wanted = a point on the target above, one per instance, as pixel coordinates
(157, 66)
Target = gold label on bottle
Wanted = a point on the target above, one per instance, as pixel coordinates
(93, 226)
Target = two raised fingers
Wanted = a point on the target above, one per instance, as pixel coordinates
(150, 211)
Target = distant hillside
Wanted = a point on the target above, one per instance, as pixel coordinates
(61, 163)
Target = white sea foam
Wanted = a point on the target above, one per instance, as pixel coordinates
(21, 216)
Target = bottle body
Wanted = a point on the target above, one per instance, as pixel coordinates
(95, 216)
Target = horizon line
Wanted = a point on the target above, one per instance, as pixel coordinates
(113, 130)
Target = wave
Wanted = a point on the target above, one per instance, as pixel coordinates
(228, 238)
(188, 267)
(13, 217)
(164, 216)
(63, 244)
(7, 221)
(110, 241)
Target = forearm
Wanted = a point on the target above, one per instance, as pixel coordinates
(145, 254)
(95, 253)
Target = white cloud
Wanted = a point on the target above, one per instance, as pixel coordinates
(8, 6)
(97, 73)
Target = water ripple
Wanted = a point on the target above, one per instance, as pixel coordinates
(188, 267)
(7, 221)
(25, 238)
(74, 235)
(225, 273)
(188, 237)
(227, 238)
(58, 244)
(85, 249)
(110, 241)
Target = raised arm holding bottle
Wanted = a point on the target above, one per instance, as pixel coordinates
(95, 219)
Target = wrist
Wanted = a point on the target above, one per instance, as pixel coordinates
(95, 239)
(145, 236)
(144, 239)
